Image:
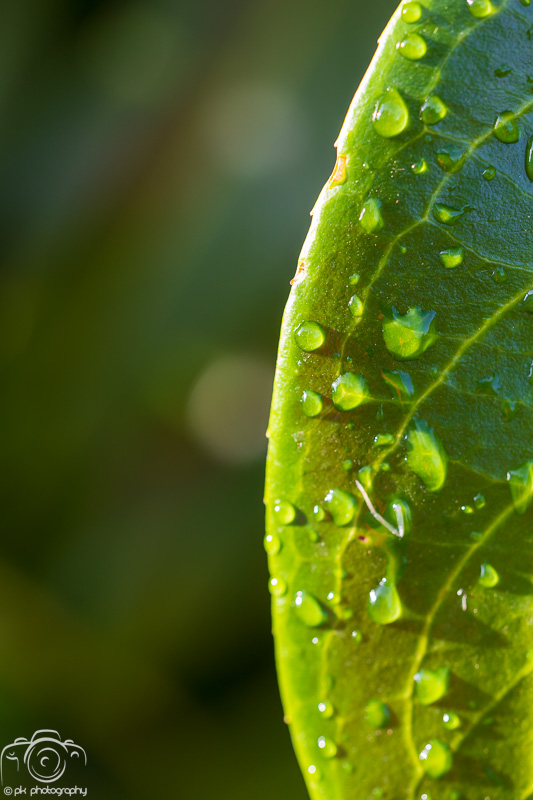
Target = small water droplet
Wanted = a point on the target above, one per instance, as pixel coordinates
(400, 382)
(377, 714)
(529, 158)
(467, 509)
(312, 403)
(436, 758)
(411, 12)
(384, 604)
(527, 302)
(452, 257)
(398, 513)
(356, 306)
(499, 275)
(354, 279)
(272, 544)
(402, 248)
(370, 217)
(503, 70)
(426, 455)
(480, 8)
(314, 771)
(284, 511)
(391, 115)
(489, 173)
(506, 128)
(356, 637)
(448, 215)
(347, 465)
(327, 747)
(365, 475)
(488, 576)
(451, 721)
(433, 110)
(349, 391)
(383, 439)
(479, 501)
(309, 610)
(409, 335)
(450, 156)
(339, 173)
(312, 535)
(319, 513)
(277, 587)
(341, 505)
(521, 485)
(419, 167)
(309, 336)
(431, 685)
(412, 47)
(326, 709)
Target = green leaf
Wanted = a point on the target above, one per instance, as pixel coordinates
(401, 434)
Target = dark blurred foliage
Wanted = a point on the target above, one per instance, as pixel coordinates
(158, 161)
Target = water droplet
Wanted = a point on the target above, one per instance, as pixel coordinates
(408, 336)
(451, 721)
(272, 544)
(506, 128)
(450, 156)
(467, 509)
(525, 2)
(383, 439)
(488, 576)
(356, 636)
(480, 8)
(370, 217)
(312, 403)
(503, 70)
(433, 110)
(339, 173)
(419, 167)
(452, 257)
(349, 391)
(499, 275)
(412, 47)
(341, 505)
(489, 173)
(319, 513)
(529, 158)
(327, 747)
(448, 215)
(398, 513)
(411, 12)
(365, 475)
(309, 610)
(347, 465)
(356, 306)
(277, 587)
(284, 511)
(313, 535)
(521, 484)
(391, 115)
(436, 758)
(527, 302)
(378, 791)
(326, 709)
(377, 714)
(431, 685)
(384, 604)
(354, 279)
(314, 771)
(385, 466)
(348, 767)
(479, 501)
(401, 383)
(426, 455)
(309, 336)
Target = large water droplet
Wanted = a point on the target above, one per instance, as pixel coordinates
(349, 391)
(377, 714)
(309, 336)
(506, 128)
(277, 587)
(391, 115)
(356, 306)
(433, 110)
(448, 215)
(412, 47)
(436, 758)
(409, 335)
(411, 12)
(326, 709)
(450, 156)
(431, 685)
(272, 544)
(327, 746)
(451, 721)
(452, 257)
(480, 8)
(488, 576)
(384, 605)
(400, 382)
(426, 455)
(341, 505)
(312, 403)
(370, 217)
(284, 512)
(309, 610)
(319, 513)
(521, 485)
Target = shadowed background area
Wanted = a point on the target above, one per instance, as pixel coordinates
(158, 161)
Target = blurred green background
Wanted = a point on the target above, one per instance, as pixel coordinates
(158, 161)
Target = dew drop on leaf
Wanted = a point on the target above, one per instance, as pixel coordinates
(383, 439)
(450, 156)
(521, 485)
(480, 8)
(312, 403)
(309, 336)
(426, 455)
(401, 383)
(341, 505)
(506, 128)
(349, 391)
(272, 543)
(319, 513)
(499, 274)
(370, 217)
(488, 576)
(356, 306)
(377, 714)
(354, 279)
(419, 167)
(529, 158)
(448, 215)
(327, 747)
(489, 173)
(436, 758)
(411, 12)
(277, 587)
(326, 709)
(451, 721)
(409, 335)
(284, 512)
(384, 605)
(391, 115)
(452, 257)
(309, 610)
(433, 110)
(412, 47)
(431, 685)
(479, 501)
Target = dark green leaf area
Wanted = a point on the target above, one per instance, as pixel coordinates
(400, 470)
